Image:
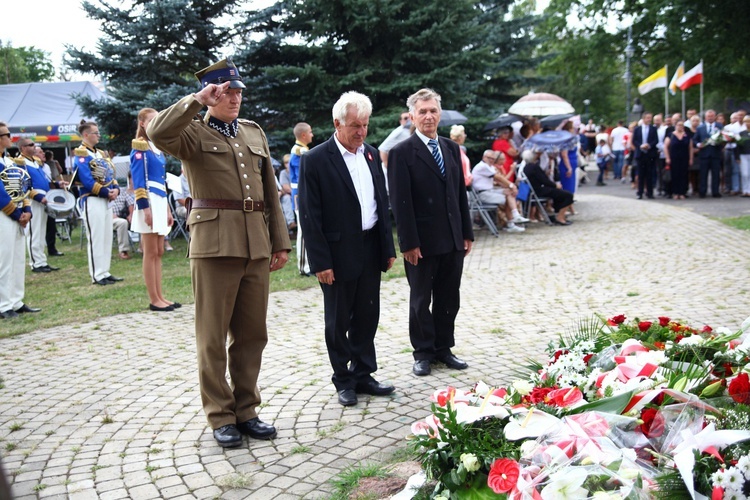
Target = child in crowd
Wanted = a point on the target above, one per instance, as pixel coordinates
(603, 157)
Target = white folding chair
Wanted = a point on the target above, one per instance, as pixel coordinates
(180, 223)
(476, 206)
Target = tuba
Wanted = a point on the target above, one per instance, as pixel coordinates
(17, 183)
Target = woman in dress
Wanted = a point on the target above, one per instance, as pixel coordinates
(151, 217)
(569, 164)
(678, 150)
(743, 151)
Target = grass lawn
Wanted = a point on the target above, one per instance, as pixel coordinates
(738, 222)
(67, 296)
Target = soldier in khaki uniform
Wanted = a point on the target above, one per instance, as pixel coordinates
(238, 235)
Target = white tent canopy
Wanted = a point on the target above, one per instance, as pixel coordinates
(45, 112)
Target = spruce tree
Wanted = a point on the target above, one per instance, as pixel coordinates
(148, 55)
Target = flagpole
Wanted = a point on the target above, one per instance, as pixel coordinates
(666, 94)
(684, 115)
(702, 77)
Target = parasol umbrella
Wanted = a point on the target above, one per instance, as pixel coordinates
(541, 104)
(554, 121)
(551, 141)
(504, 120)
(451, 117)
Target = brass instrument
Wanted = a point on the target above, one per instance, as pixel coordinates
(102, 170)
(17, 182)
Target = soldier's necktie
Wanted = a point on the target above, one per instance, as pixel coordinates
(436, 154)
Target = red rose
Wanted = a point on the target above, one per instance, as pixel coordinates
(617, 320)
(587, 358)
(559, 353)
(707, 329)
(503, 475)
(644, 325)
(653, 422)
(540, 394)
(663, 321)
(739, 389)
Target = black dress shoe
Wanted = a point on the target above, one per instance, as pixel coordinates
(52, 268)
(113, 279)
(160, 309)
(421, 367)
(717, 195)
(43, 269)
(176, 305)
(348, 397)
(10, 313)
(640, 196)
(102, 282)
(26, 309)
(56, 254)
(256, 429)
(228, 436)
(374, 388)
(451, 361)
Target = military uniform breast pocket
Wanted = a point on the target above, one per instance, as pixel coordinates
(215, 157)
(259, 157)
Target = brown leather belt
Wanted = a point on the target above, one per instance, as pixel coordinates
(246, 205)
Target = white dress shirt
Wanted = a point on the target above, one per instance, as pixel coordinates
(363, 183)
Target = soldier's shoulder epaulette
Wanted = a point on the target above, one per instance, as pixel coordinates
(247, 122)
(19, 161)
(81, 151)
(140, 145)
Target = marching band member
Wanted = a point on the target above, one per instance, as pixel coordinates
(95, 172)
(36, 234)
(14, 218)
(151, 217)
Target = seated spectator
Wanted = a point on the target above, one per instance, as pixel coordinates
(458, 135)
(503, 144)
(180, 198)
(547, 188)
(122, 212)
(493, 188)
(285, 195)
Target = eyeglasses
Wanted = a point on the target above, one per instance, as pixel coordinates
(29, 145)
(94, 133)
(5, 135)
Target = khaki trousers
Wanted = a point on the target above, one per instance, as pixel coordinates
(231, 297)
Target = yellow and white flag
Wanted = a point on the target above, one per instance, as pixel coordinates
(677, 75)
(655, 81)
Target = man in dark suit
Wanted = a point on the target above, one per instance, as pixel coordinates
(644, 140)
(349, 241)
(709, 154)
(429, 202)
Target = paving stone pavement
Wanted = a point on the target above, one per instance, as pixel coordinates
(111, 409)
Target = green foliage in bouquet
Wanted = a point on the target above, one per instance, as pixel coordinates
(460, 455)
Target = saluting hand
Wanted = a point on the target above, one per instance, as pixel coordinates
(211, 94)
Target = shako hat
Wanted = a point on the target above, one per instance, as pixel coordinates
(220, 72)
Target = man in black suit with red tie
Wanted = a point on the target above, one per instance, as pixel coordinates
(429, 202)
(644, 140)
(349, 241)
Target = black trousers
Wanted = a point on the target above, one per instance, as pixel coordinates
(646, 172)
(51, 235)
(712, 166)
(434, 280)
(352, 312)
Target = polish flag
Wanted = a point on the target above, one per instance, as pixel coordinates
(692, 77)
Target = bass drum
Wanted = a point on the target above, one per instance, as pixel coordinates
(61, 202)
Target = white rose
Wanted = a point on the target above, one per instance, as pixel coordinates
(523, 387)
(470, 462)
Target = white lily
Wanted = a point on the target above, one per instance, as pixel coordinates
(566, 484)
(530, 423)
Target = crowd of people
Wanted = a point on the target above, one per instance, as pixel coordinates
(677, 157)
(341, 199)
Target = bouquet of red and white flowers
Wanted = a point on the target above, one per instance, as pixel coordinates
(619, 410)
